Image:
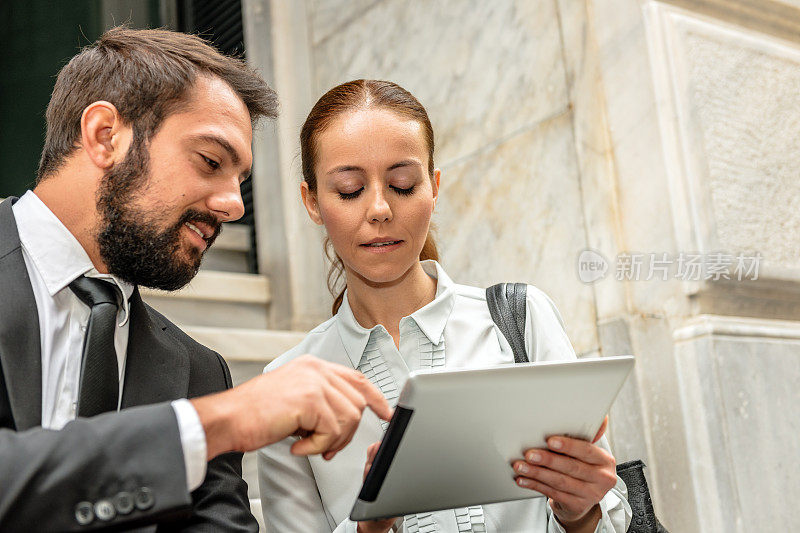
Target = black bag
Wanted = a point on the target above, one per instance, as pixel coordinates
(507, 304)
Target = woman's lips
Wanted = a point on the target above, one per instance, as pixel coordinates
(382, 246)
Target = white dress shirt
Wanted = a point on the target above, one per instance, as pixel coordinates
(455, 330)
(54, 258)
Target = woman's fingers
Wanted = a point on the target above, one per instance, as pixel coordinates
(569, 501)
(579, 449)
(558, 463)
(376, 526)
(552, 478)
(371, 452)
(574, 473)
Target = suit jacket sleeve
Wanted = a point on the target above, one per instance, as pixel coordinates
(221, 502)
(46, 474)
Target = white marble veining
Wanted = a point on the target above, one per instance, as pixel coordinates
(483, 70)
(747, 99)
(739, 395)
(729, 110)
(513, 214)
(620, 125)
(594, 151)
(327, 17)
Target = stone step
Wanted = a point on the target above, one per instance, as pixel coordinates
(230, 251)
(244, 345)
(216, 299)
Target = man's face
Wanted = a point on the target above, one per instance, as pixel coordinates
(163, 206)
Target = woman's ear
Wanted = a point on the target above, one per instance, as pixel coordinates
(437, 175)
(104, 138)
(310, 201)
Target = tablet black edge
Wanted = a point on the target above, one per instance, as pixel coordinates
(386, 451)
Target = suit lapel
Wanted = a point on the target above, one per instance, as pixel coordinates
(157, 365)
(20, 342)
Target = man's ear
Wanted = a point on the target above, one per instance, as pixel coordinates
(104, 138)
(310, 201)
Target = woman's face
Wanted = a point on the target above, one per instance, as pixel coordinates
(374, 194)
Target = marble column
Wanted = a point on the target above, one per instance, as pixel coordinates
(289, 244)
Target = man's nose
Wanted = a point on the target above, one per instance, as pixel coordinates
(227, 203)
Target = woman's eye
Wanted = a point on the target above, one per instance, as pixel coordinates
(400, 190)
(350, 195)
(210, 162)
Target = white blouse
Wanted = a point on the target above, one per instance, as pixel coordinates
(455, 330)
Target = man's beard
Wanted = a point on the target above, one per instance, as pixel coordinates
(133, 243)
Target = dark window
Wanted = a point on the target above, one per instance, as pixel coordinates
(220, 21)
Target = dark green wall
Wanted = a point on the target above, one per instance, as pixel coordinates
(37, 37)
(36, 40)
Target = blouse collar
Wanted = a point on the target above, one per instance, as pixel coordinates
(431, 319)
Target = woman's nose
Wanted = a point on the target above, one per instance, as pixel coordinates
(379, 209)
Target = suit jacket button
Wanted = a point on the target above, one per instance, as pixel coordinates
(124, 502)
(144, 499)
(104, 510)
(84, 513)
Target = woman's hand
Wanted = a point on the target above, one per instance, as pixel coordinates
(374, 526)
(574, 475)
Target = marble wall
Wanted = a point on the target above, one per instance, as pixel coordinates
(621, 126)
(698, 106)
(492, 77)
(739, 388)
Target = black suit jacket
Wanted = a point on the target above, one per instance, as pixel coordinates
(163, 364)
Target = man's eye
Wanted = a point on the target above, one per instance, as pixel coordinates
(213, 164)
(350, 195)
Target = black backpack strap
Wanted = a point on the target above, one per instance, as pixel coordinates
(507, 303)
(644, 517)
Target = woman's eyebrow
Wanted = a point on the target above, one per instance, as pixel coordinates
(345, 168)
(405, 163)
(354, 168)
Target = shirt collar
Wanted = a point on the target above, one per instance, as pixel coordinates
(55, 252)
(431, 319)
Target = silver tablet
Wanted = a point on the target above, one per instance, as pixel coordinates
(455, 433)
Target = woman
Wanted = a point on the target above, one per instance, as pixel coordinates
(367, 159)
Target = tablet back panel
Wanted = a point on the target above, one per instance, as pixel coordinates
(456, 432)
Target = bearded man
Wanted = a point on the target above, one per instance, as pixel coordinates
(148, 141)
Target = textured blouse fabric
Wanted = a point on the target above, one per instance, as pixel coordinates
(455, 330)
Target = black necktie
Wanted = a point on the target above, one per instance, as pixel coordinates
(99, 388)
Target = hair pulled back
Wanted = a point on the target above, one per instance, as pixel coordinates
(351, 96)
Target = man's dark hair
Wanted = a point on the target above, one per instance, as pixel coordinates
(146, 74)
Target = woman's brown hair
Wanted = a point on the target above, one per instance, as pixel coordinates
(360, 94)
